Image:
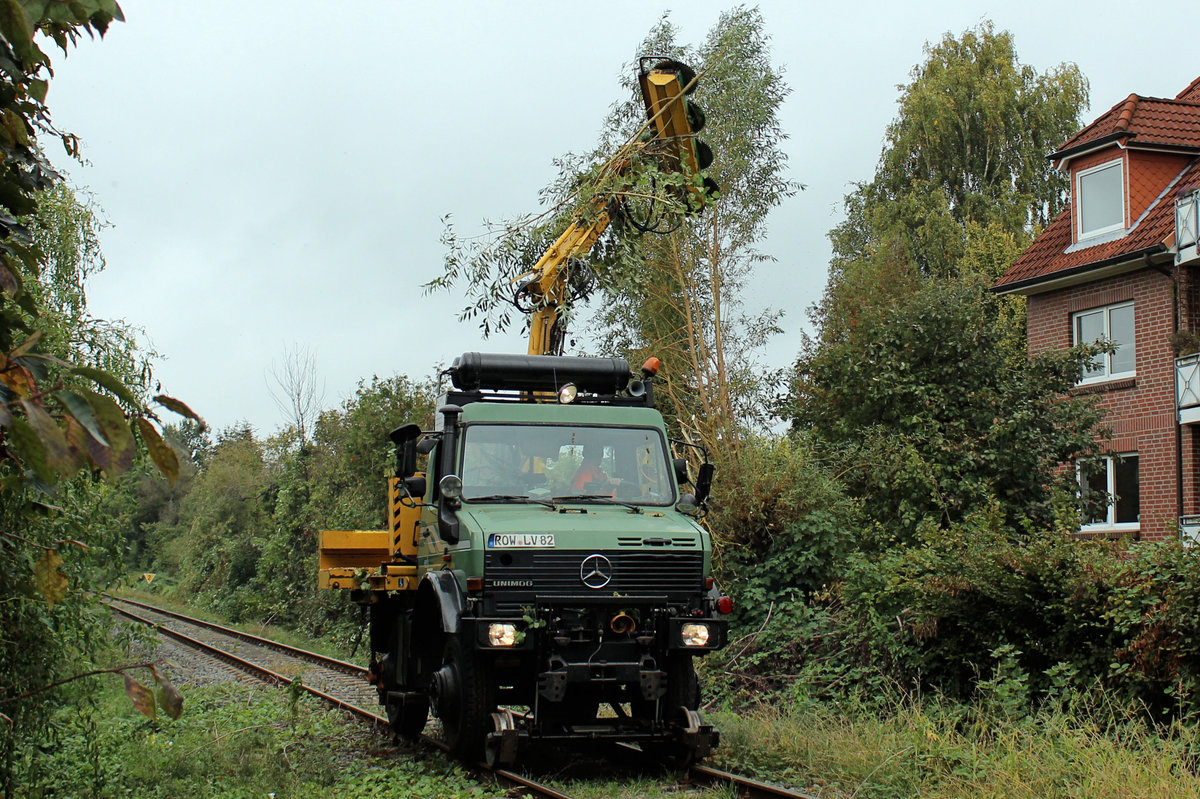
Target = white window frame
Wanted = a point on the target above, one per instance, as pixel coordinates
(1110, 525)
(1119, 165)
(1106, 359)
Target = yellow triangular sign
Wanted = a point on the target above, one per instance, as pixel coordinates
(149, 576)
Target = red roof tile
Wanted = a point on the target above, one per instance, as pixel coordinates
(1047, 257)
(1135, 122)
(1144, 122)
(1191, 94)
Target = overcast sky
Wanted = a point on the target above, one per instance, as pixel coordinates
(275, 173)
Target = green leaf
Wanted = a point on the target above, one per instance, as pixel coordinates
(28, 447)
(16, 25)
(15, 125)
(53, 442)
(37, 90)
(107, 381)
(26, 346)
(50, 581)
(141, 697)
(82, 411)
(177, 406)
(117, 456)
(38, 10)
(160, 451)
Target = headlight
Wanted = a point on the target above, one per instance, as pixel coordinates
(568, 393)
(502, 634)
(694, 634)
(450, 486)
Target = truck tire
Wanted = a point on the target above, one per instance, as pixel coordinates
(464, 696)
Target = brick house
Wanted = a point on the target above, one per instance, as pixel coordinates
(1121, 263)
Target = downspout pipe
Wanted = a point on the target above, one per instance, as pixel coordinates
(1173, 274)
(1175, 402)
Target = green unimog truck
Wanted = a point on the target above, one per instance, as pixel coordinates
(544, 577)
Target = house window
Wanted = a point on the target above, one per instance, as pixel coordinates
(1115, 478)
(1100, 199)
(1112, 324)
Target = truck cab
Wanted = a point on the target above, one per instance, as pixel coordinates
(549, 580)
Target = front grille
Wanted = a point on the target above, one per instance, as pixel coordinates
(651, 541)
(513, 579)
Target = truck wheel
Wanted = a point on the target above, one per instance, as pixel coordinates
(407, 719)
(463, 697)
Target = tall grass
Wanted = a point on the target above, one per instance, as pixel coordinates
(234, 742)
(936, 749)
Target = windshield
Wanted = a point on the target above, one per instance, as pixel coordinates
(506, 462)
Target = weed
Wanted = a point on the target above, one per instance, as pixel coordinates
(940, 748)
(235, 741)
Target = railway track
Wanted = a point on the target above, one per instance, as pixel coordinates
(344, 685)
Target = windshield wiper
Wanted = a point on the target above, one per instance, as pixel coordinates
(512, 498)
(598, 498)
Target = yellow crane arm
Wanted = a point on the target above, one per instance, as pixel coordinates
(548, 288)
(672, 121)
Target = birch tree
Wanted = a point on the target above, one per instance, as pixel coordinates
(677, 294)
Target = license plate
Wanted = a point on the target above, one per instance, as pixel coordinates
(521, 541)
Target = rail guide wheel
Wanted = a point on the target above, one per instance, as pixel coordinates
(505, 740)
(407, 714)
(694, 740)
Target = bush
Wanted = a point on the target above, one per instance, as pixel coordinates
(933, 414)
(1154, 610)
(964, 593)
(782, 528)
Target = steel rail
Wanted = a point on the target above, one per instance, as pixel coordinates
(352, 669)
(274, 678)
(257, 670)
(745, 786)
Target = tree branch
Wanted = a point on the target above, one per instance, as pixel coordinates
(53, 685)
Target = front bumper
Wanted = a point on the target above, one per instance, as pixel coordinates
(552, 630)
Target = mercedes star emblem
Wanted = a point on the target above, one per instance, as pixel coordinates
(595, 571)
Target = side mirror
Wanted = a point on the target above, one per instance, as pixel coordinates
(681, 471)
(415, 486)
(405, 432)
(406, 455)
(704, 482)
